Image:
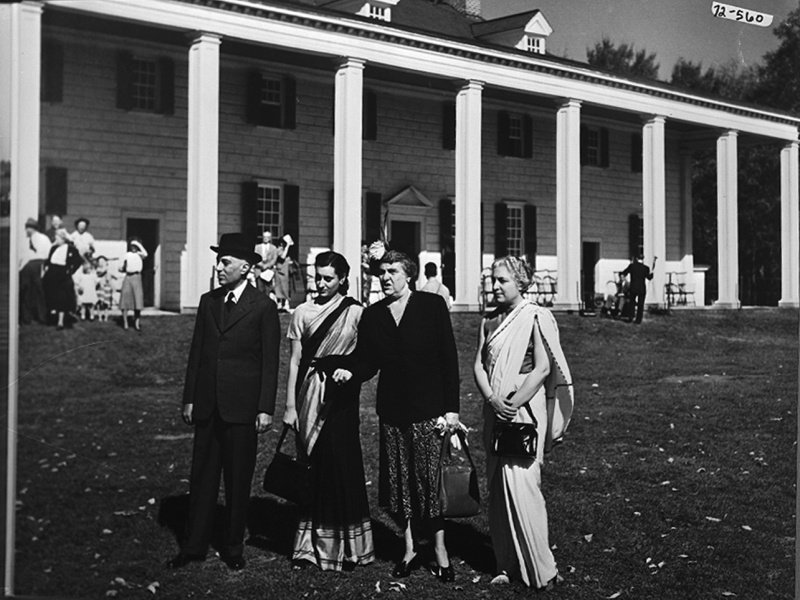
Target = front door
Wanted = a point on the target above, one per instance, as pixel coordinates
(147, 231)
(405, 237)
(590, 258)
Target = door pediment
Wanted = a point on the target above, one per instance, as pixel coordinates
(410, 197)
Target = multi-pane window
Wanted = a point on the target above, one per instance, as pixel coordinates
(379, 12)
(515, 230)
(515, 134)
(271, 92)
(269, 208)
(534, 44)
(592, 146)
(145, 84)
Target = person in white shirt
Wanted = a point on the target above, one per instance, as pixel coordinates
(83, 240)
(31, 293)
(434, 286)
(132, 293)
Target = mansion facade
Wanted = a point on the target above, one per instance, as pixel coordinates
(454, 137)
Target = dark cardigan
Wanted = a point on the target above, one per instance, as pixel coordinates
(417, 359)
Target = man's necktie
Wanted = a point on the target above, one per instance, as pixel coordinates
(230, 302)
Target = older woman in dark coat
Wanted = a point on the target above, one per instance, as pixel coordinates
(408, 337)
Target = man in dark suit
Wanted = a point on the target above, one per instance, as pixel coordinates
(637, 290)
(229, 397)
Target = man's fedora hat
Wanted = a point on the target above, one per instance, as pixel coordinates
(82, 220)
(32, 223)
(238, 245)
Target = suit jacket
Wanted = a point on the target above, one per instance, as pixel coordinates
(234, 368)
(639, 273)
(417, 359)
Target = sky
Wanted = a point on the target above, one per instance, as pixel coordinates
(670, 28)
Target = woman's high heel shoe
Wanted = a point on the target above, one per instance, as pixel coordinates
(403, 568)
(446, 574)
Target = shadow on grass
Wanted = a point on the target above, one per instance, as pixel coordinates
(173, 513)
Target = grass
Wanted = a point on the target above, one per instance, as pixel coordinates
(676, 479)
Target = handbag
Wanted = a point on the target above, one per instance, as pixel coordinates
(515, 440)
(289, 477)
(459, 495)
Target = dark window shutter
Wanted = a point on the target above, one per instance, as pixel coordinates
(446, 223)
(250, 210)
(604, 158)
(502, 133)
(52, 89)
(636, 152)
(635, 235)
(253, 100)
(500, 229)
(447, 244)
(331, 208)
(166, 86)
(124, 80)
(291, 216)
(289, 102)
(584, 137)
(372, 217)
(449, 125)
(55, 190)
(527, 136)
(530, 233)
(370, 117)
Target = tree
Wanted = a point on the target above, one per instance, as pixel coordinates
(623, 59)
(780, 74)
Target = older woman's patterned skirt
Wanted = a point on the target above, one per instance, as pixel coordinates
(409, 470)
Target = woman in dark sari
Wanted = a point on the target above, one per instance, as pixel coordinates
(322, 403)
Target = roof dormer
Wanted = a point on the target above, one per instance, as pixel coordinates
(525, 31)
(380, 10)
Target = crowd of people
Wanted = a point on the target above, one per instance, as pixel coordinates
(63, 279)
(336, 345)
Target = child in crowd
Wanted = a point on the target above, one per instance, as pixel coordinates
(85, 280)
(104, 289)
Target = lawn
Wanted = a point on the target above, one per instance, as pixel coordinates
(675, 480)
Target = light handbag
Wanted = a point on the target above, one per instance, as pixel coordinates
(459, 495)
(515, 440)
(289, 477)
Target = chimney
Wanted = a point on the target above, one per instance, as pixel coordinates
(469, 8)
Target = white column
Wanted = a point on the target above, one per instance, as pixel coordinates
(790, 228)
(203, 167)
(687, 246)
(20, 73)
(469, 116)
(20, 66)
(654, 206)
(347, 166)
(727, 222)
(568, 204)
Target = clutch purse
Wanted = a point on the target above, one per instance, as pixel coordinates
(515, 440)
(289, 477)
(458, 483)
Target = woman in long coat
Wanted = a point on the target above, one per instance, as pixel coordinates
(521, 372)
(322, 403)
(408, 337)
(59, 289)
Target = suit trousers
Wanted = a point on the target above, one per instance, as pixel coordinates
(637, 300)
(228, 449)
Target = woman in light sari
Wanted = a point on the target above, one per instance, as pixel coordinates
(334, 532)
(521, 372)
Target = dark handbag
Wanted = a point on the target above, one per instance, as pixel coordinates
(289, 477)
(458, 483)
(515, 440)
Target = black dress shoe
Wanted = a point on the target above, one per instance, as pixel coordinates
(181, 560)
(403, 568)
(446, 574)
(235, 563)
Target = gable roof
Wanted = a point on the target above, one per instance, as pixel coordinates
(501, 24)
